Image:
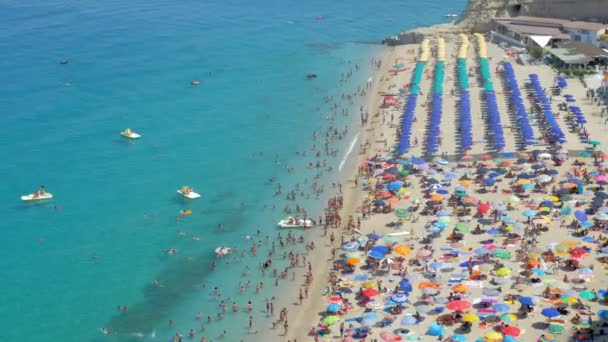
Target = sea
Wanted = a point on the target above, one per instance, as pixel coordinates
(77, 73)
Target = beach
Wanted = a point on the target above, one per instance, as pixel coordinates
(514, 256)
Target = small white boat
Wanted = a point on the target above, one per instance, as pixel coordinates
(128, 133)
(291, 222)
(221, 251)
(37, 197)
(188, 192)
(451, 15)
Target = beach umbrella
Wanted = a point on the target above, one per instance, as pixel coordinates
(511, 331)
(369, 318)
(556, 328)
(335, 300)
(526, 300)
(568, 300)
(435, 330)
(399, 298)
(353, 261)
(390, 239)
(333, 307)
(389, 336)
(513, 199)
(502, 255)
(460, 288)
(501, 307)
(402, 250)
(458, 305)
(408, 320)
(493, 336)
(401, 212)
(508, 317)
(376, 255)
(503, 272)
(374, 236)
(430, 292)
(594, 143)
(370, 293)
(603, 314)
(459, 338)
(483, 208)
(550, 312)
(351, 246)
(405, 285)
(423, 308)
(370, 284)
(329, 320)
(491, 292)
(588, 295)
(372, 304)
(470, 317)
(529, 213)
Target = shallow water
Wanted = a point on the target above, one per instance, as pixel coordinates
(99, 243)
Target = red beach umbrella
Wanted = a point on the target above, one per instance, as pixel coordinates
(459, 305)
(511, 330)
(370, 293)
(483, 208)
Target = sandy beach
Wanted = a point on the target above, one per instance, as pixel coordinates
(496, 244)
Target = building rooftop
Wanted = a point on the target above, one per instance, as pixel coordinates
(577, 53)
(553, 22)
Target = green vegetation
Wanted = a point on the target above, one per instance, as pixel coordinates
(536, 51)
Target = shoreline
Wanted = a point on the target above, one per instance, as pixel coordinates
(321, 258)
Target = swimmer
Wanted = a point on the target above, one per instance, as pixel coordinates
(104, 331)
(195, 238)
(195, 82)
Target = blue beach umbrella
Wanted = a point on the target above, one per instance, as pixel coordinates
(435, 330)
(333, 307)
(408, 320)
(405, 285)
(501, 307)
(580, 215)
(529, 213)
(526, 300)
(550, 312)
(399, 298)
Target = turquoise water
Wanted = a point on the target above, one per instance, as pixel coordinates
(99, 243)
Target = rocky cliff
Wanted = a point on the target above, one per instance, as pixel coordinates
(478, 15)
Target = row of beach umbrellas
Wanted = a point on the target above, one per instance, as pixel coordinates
(410, 109)
(466, 123)
(434, 131)
(549, 118)
(518, 104)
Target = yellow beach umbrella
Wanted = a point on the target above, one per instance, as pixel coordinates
(502, 272)
(492, 336)
(523, 181)
(369, 284)
(465, 183)
(470, 317)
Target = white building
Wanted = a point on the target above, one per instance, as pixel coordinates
(521, 28)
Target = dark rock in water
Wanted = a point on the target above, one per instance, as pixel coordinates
(311, 76)
(64, 61)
